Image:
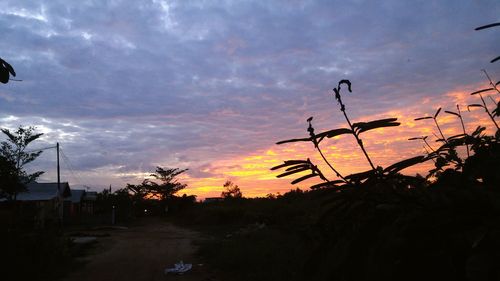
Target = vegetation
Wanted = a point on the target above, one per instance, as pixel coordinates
(5, 71)
(13, 158)
(231, 191)
(373, 225)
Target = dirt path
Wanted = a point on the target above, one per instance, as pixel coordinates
(142, 253)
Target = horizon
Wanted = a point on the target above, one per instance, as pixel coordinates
(125, 87)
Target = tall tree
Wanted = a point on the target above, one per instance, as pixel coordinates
(14, 157)
(231, 191)
(166, 185)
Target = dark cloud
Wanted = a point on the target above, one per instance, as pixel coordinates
(129, 85)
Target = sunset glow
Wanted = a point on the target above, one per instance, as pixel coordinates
(127, 86)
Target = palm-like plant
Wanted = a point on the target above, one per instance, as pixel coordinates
(355, 129)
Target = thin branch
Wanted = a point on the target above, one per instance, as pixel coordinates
(463, 128)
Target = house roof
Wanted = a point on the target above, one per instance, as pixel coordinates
(44, 191)
(76, 195)
(90, 196)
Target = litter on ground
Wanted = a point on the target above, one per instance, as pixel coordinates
(179, 268)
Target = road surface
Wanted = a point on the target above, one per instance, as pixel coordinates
(142, 252)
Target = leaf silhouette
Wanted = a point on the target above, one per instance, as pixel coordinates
(298, 167)
(437, 113)
(334, 133)
(422, 118)
(347, 82)
(290, 163)
(366, 126)
(396, 167)
(474, 105)
(456, 136)
(418, 138)
(304, 178)
(5, 69)
(495, 59)
(320, 136)
(478, 131)
(482, 91)
(360, 176)
(451, 112)
(487, 26)
(292, 172)
(293, 140)
(496, 111)
(327, 184)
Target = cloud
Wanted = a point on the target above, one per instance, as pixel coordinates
(126, 86)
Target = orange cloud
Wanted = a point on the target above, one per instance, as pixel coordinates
(385, 146)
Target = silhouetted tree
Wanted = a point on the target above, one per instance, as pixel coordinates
(231, 191)
(9, 178)
(14, 157)
(167, 185)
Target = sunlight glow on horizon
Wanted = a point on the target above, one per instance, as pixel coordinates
(385, 147)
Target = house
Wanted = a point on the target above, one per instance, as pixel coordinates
(213, 199)
(88, 202)
(44, 201)
(73, 204)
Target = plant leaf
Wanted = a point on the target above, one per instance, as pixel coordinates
(327, 184)
(9, 68)
(298, 167)
(290, 163)
(292, 172)
(360, 176)
(396, 167)
(437, 113)
(474, 105)
(495, 59)
(347, 82)
(334, 133)
(488, 26)
(451, 112)
(304, 178)
(457, 136)
(293, 140)
(481, 91)
(422, 118)
(360, 127)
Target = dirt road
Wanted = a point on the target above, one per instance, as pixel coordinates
(142, 252)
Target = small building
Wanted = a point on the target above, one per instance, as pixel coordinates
(213, 199)
(88, 202)
(74, 204)
(44, 200)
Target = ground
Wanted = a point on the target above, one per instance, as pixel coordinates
(141, 252)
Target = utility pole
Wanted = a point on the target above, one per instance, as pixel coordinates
(61, 198)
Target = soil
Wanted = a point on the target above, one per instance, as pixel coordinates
(142, 252)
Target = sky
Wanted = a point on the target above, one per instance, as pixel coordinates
(211, 86)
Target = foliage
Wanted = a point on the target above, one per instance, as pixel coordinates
(5, 71)
(355, 129)
(231, 191)
(9, 178)
(35, 254)
(15, 156)
(373, 225)
(166, 188)
(488, 26)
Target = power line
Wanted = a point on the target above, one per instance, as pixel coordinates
(40, 149)
(72, 170)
